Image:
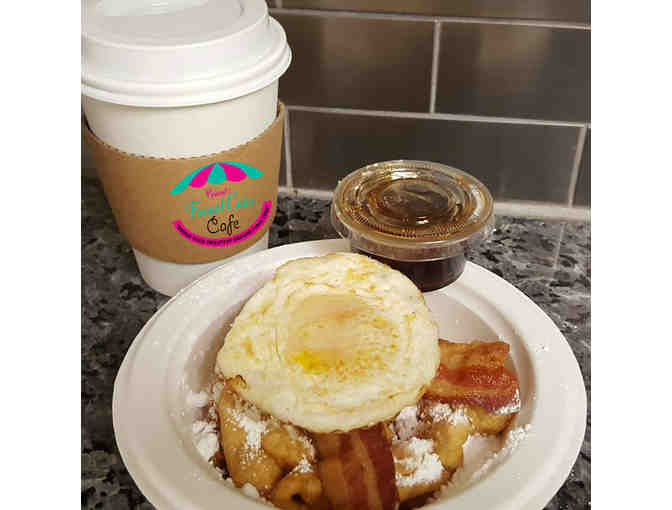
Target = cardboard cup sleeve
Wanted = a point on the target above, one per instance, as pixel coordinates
(193, 210)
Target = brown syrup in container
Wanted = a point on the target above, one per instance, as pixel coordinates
(416, 216)
(427, 276)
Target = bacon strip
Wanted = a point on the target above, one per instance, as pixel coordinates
(382, 464)
(328, 445)
(334, 483)
(353, 471)
(357, 470)
(474, 374)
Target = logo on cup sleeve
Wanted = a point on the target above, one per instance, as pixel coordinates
(221, 218)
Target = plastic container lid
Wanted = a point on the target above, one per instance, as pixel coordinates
(179, 52)
(412, 210)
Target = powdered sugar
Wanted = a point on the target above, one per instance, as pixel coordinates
(515, 436)
(406, 423)
(438, 411)
(249, 419)
(205, 438)
(303, 466)
(423, 465)
(204, 432)
(511, 407)
(418, 447)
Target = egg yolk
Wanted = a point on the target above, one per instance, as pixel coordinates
(342, 334)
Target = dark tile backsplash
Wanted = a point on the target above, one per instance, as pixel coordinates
(528, 82)
(559, 10)
(513, 71)
(582, 193)
(515, 161)
(358, 63)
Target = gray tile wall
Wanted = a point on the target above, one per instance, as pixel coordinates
(513, 71)
(498, 88)
(326, 146)
(373, 64)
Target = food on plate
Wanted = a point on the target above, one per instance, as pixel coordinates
(297, 491)
(287, 445)
(335, 392)
(418, 468)
(474, 374)
(449, 429)
(332, 343)
(240, 440)
(357, 469)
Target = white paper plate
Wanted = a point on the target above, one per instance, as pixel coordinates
(173, 355)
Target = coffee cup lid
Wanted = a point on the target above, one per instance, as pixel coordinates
(179, 52)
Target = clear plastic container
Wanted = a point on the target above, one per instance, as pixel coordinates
(418, 217)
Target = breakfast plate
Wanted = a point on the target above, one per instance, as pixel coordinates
(173, 356)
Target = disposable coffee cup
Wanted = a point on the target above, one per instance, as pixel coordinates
(165, 87)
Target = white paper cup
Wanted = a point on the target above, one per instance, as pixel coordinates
(182, 132)
(180, 93)
(160, 132)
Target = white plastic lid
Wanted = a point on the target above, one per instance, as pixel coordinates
(179, 52)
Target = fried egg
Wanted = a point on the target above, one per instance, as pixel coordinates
(332, 343)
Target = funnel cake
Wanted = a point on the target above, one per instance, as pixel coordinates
(395, 463)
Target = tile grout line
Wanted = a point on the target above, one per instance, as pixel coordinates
(289, 180)
(576, 165)
(435, 116)
(304, 192)
(542, 211)
(445, 19)
(435, 66)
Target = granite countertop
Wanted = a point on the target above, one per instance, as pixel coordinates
(547, 260)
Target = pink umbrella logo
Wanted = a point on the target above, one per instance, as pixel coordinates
(217, 173)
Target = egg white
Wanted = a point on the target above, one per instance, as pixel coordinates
(332, 343)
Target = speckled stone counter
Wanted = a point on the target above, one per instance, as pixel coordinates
(548, 261)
